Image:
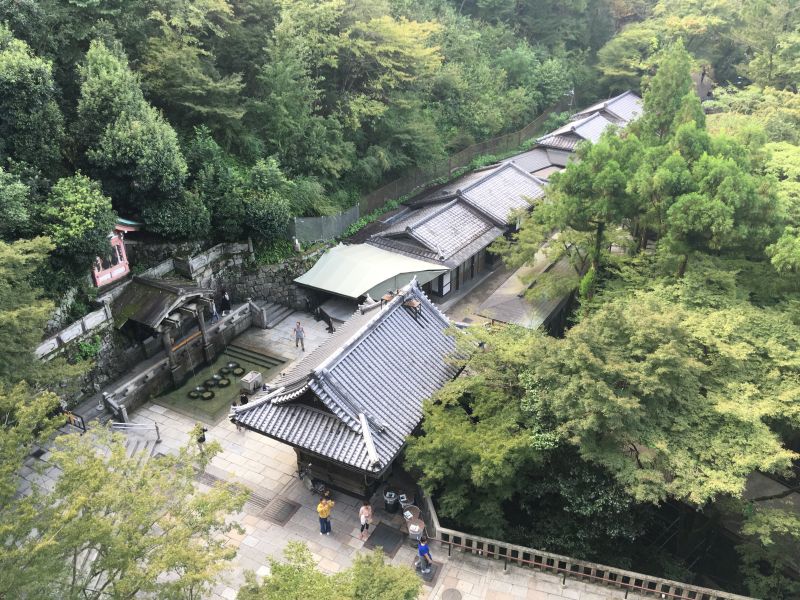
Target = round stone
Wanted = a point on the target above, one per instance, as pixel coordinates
(451, 594)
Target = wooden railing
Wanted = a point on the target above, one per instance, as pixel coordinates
(566, 567)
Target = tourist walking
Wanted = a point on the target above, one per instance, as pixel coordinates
(299, 336)
(225, 303)
(324, 509)
(424, 555)
(365, 516)
(214, 313)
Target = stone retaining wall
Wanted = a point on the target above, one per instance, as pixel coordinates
(274, 283)
(77, 330)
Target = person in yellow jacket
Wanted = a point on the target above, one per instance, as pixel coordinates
(324, 509)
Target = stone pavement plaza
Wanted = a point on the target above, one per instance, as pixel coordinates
(269, 469)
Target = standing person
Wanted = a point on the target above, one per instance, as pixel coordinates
(324, 509)
(425, 557)
(233, 407)
(225, 303)
(243, 399)
(365, 516)
(299, 336)
(200, 435)
(214, 313)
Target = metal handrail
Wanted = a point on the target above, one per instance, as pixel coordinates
(137, 427)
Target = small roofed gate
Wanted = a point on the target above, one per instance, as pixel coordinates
(173, 310)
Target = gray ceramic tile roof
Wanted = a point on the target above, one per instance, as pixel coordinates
(149, 301)
(503, 192)
(559, 158)
(541, 161)
(448, 190)
(621, 109)
(381, 364)
(441, 232)
(588, 128)
(533, 160)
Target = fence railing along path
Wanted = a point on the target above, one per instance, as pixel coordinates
(312, 229)
(566, 567)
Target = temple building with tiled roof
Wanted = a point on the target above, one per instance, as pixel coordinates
(453, 227)
(348, 407)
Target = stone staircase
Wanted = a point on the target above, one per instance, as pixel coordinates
(275, 313)
(252, 356)
(140, 447)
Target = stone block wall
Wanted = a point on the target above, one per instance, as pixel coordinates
(274, 283)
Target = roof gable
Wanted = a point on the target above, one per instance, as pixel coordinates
(504, 191)
(623, 108)
(440, 231)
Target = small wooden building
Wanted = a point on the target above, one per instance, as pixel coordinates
(348, 407)
(114, 266)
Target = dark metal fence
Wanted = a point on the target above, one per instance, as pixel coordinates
(313, 229)
(420, 177)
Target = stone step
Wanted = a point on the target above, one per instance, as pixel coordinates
(274, 310)
(253, 357)
(279, 316)
(139, 447)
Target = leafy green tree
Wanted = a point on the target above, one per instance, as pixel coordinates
(665, 91)
(23, 310)
(628, 56)
(665, 409)
(285, 113)
(589, 197)
(370, 578)
(770, 32)
(31, 125)
(114, 527)
(770, 532)
(14, 206)
(778, 111)
(78, 218)
(179, 66)
(108, 89)
(140, 159)
(129, 145)
(494, 467)
(267, 215)
(184, 217)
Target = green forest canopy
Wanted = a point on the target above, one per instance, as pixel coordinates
(678, 377)
(215, 119)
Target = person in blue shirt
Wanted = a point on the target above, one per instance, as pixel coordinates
(424, 555)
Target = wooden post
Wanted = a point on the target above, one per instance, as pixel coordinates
(208, 347)
(166, 340)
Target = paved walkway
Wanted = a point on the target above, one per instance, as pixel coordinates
(268, 468)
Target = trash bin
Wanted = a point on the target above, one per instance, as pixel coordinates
(391, 500)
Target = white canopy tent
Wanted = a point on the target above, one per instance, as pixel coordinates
(359, 269)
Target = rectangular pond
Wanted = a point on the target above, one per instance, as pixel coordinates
(207, 395)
